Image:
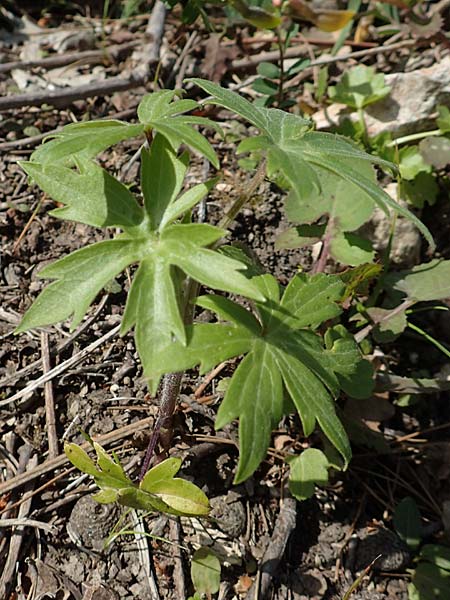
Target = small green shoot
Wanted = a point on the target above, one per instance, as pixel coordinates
(205, 573)
(159, 491)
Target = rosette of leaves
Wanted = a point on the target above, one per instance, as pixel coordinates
(159, 490)
(165, 249)
(316, 167)
(286, 363)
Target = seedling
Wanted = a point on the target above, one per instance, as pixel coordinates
(288, 365)
(159, 490)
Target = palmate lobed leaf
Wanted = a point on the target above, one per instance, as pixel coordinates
(162, 249)
(157, 112)
(301, 155)
(280, 354)
(90, 194)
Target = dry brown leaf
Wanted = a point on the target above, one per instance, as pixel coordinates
(217, 58)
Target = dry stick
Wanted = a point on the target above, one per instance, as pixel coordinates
(178, 573)
(139, 77)
(61, 60)
(7, 577)
(144, 554)
(35, 139)
(284, 526)
(207, 380)
(61, 460)
(67, 342)
(27, 226)
(65, 96)
(38, 490)
(253, 61)
(62, 368)
(50, 419)
(27, 523)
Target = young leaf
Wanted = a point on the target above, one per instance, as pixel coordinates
(437, 555)
(359, 87)
(157, 111)
(280, 353)
(182, 497)
(167, 469)
(80, 459)
(407, 522)
(205, 571)
(428, 281)
(158, 491)
(306, 471)
(429, 582)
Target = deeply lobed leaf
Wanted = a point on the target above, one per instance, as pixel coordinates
(165, 250)
(301, 156)
(280, 354)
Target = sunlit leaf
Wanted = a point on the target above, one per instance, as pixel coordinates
(280, 354)
(306, 471)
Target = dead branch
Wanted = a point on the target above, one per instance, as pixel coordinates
(81, 58)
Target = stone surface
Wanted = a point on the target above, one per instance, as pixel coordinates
(394, 553)
(230, 514)
(90, 522)
(407, 241)
(409, 108)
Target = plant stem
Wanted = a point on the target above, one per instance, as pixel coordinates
(243, 198)
(320, 265)
(430, 339)
(414, 136)
(281, 79)
(171, 382)
(362, 122)
(360, 335)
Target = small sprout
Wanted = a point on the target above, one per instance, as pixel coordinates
(158, 491)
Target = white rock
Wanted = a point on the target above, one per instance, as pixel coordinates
(409, 108)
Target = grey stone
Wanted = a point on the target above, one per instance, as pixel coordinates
(414, 97)
(409, 108)
(406, 245)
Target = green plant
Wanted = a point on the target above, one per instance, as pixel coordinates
(159, 490)
(296, 356)
(205, 573)
(431, 577)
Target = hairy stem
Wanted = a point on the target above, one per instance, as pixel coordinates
(171, 383)
(243, 198)
(281, 79)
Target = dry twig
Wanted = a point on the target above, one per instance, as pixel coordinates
(284, 526)
(49, 399)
